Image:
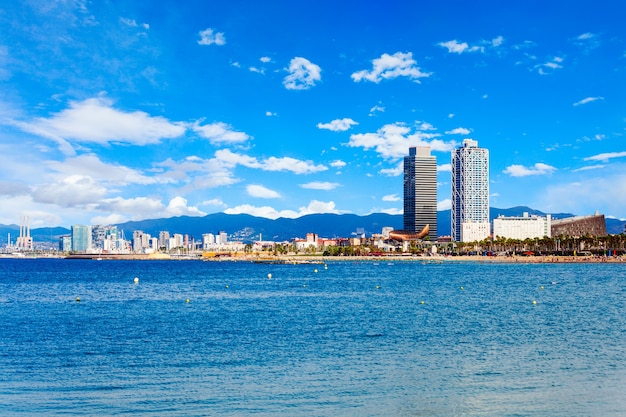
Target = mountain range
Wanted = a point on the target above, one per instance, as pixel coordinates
(244, 227)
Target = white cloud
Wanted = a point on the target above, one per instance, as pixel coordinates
(391, 197)
(257, 70)
(265, 59)
(444, 205)
(522, 171)
(393, 172)
(270, 114)
(456, 47)
(291, 164)
(547, 67)
(458, 131)
(444, 168)
(91, 166)
(95, 120)
(219, 132)
(588, 100)
(178, 207)
(376, 108)
(337, 164)
(604, 157)
(314, 207)
(391, 66)
(72, 191)
(260, 191)
(392, 211)
(338, 125)
(303, 74)
(319, 185)
(209, 37)
(212, 202)
(394, 140)
(133, 23)
(270, 164)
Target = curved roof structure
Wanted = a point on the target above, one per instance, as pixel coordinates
(405, 235)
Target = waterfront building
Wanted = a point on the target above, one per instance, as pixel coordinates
(580, 226)
(81, 238)
(470, 192)
(522, 228)
(420, 192)
(65, 243)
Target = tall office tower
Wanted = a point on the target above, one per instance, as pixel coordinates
(420, 191)
(470, 193)
(81, 238)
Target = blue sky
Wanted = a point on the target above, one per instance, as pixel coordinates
(122, 110)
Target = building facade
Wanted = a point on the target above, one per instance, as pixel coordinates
(420, 191)
(525, 227)
(470, 192)
(81, 238)
(580, 226)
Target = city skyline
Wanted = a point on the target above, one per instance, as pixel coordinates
(112, 113)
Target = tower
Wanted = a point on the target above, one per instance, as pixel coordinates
(470, 193)
(420, 191)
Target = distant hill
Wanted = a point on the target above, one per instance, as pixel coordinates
(244, 227)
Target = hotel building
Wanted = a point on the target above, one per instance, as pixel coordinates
(470, 193)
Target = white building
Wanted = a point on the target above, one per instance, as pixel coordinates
(475, 232)
(470, 192)
(525, 227)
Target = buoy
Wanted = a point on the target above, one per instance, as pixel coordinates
(227, 286)
(187, 300)
(421, 302)
(377, 287)
(78, 299)
(269, 276)
(462, 289)
(303, 285)
(315, 271)
(534, 302)
(136, 280)
(542, 287)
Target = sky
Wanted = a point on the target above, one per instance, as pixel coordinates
(112, 111)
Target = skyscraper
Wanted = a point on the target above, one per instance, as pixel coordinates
(420, 191)
(470, 192)
(81, 238)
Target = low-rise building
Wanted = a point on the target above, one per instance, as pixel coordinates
(522, 228)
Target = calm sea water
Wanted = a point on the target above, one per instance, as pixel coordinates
(352, 339)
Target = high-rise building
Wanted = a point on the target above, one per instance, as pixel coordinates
(420, 191)
(470, 193)
(81, 238)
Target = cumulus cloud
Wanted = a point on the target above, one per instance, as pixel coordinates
(270, 164)
(522, 171)
(209, 37)
(338, 125)
(319, 185)
(392, 66)
(393, 141)
(393, 172)
(338, 164)
(376, 109)
(303, 74)
(444, 168)
(260, 191)
(314, 207)
(219, 133)
(133, 23)
(178, 206)
(604, 157)
(588, 100)
(95, 121)
(72, 191)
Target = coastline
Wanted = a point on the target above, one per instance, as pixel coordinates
(319, 259)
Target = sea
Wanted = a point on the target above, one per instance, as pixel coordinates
(338, 338)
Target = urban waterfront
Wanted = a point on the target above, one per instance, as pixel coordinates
(349, 338)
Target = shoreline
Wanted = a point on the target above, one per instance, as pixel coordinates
(319, 259)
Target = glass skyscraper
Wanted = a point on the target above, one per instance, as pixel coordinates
(470, 192)
(81, 238)
(420, 191)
